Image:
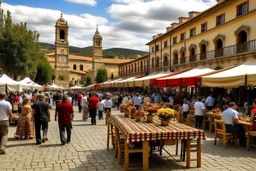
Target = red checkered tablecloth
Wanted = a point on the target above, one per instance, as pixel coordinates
(142, 131)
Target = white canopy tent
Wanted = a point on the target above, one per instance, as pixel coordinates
(145, 81)
(124, 83)
(10, 84)
(233, 77)
(27, 83)
(76, 87)
(55, 87)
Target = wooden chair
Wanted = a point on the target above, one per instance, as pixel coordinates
(220, 132)
(250, 134)
(121, 147)
(110, 134)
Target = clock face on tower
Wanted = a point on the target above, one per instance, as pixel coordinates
(62, 58)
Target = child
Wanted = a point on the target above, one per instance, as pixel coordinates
(100, 107)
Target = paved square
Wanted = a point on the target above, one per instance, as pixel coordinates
(87, 151)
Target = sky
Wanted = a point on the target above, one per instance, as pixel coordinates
(122, 23)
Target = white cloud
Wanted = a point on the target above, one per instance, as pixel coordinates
(85, 2)
(134, 24)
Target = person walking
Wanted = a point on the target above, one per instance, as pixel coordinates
(79, 98)
(199, 112)
(41, 116)
(100, 107)
(5, 119)
(65, 114)
(93, 101)
(84, 104)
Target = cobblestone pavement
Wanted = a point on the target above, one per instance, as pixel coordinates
(87, 151)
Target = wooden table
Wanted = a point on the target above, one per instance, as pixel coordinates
(211, 116)
(245, 124)
(144, 132)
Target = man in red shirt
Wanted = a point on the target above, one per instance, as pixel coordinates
(93, 101)
(65, 114)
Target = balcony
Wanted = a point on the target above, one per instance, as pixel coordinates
(230, 51)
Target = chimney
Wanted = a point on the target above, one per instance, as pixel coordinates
(174, 25)
(168, 28)
(193, 14)
(183, 20)
(219, 1)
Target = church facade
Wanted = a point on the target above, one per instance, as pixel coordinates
(71, 69)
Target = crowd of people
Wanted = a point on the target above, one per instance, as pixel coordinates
(33, 110)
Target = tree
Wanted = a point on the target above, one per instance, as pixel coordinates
(88, 80)
(44, 72)
(19, 49)
(102, 75)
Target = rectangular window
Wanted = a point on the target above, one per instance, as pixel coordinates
(220, 19)
(174, 40)
(165, 44)
(152, 49)
(157, 48)
(241, 9)
(182, 36)
(203, 27)
(192, 32)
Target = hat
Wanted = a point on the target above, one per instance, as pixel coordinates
(41, 96)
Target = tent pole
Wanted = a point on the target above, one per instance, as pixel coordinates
(245, 86)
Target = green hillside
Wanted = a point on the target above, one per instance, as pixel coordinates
(107, 53)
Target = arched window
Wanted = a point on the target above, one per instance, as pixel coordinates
(175, 57)
(74, 67)
(192, 54)
(218, 48)
(157, 62)
(166, 62)
(153, 62)
(182, 56)
(81, 67)
(135, 67)
(62, 34)
(203, 52)
(242, 41)
(141, 66)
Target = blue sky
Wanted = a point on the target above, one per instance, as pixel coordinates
(122, 23)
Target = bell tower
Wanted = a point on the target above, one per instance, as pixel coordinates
(61, 53)
(97, 52)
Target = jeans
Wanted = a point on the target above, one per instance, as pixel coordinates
(4, 125)
(198, 121)
(238, 130)
(79, 107)
(62, 128)
(93, 116)
(42, 123)
(100, 112)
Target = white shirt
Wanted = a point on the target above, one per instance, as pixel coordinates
(108, 104)
(228, 116)
(171, 101)
(125, 99)
(4, 107)
(100, 106)
(209, 101)
(84, 101)
(20, 99)
(136, 100)
(198, 108)
(70, 99)
(28, 96)
(185, 107)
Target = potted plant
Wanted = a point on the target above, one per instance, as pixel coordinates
(133, 111)
(139, 115)
(165, 114)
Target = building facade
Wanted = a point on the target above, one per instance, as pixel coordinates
(220, 36)
(72, 69)
(134, 68)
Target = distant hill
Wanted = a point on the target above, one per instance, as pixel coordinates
(87, 51)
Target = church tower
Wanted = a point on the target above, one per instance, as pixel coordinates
(97, 52)
(61, 53)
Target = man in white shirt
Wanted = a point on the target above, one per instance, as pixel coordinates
(137, 101)
(199, 112)
(84, 104)
(5, 118)
(209, 102)
(230, 116)
(100, 107)
(126, 99)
